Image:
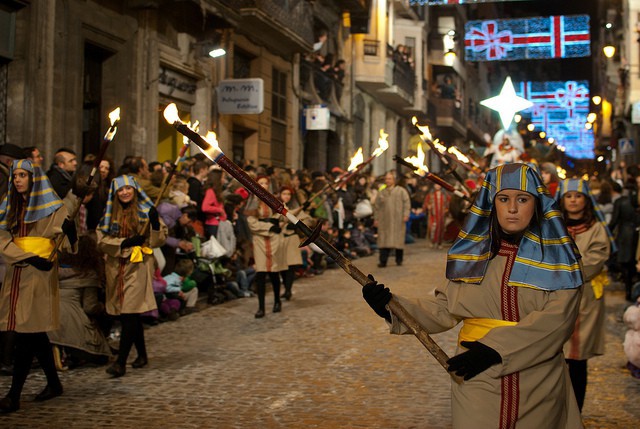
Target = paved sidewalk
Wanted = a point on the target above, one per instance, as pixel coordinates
(326, 361)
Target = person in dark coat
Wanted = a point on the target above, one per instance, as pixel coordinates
(62, 170)
(623, 225)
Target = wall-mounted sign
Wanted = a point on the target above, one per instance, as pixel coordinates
(318, 117)
(177, 85)
(635, 113)
(241, 96)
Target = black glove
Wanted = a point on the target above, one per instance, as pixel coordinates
(69, 229)
(306, 205)
(136, 240)
(40, 263)
(275, 229)
(272, 221)
(475, 360)
(377, 296)
(291, 227)
(154, 220)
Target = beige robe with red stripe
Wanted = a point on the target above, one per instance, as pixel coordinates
(29, 297)
(266, 245)
(531, 387)
(128, 284)
(587, 339)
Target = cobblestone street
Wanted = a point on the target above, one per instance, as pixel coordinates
(326, 361)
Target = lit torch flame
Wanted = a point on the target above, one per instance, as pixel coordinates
(461, 157)
(418, 162)
(114, 118)
(383, 144)
(439, 146)
(171, 114)
(356, 160)
(424, 129)
(195, 127)
(212, 139)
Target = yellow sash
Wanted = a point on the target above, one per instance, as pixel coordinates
(138, 252)
(39, 245)
(474, 329)
(598, 283)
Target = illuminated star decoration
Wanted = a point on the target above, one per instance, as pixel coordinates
(507, 103)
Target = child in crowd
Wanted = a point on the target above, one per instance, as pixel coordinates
(168, 308)
(188, 293)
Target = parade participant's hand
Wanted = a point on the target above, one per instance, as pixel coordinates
(291, 227)
(69, 229)
(154, 219)
(39, 263)
(306, 205)
(475, 360)
(377, 296)
(275, 229)
(136, 240)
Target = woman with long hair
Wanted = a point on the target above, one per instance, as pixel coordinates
(267, 240)
(588, 229)
(129, 264)
(515, 284)
(291, 256)
(31, 217)
(213, 203)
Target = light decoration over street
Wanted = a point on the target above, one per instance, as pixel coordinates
(507, 103)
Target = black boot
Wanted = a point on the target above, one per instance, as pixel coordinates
(277, 307)
(140, 362)
(49, 392)
(8, 405)
(116, 370)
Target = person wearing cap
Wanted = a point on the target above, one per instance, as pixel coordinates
(587, 227)
(129, 264)
(31, 218)
(515, 284)
(8, 153)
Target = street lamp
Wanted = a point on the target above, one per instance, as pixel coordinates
(609, 50)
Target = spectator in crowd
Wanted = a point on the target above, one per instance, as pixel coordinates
(63, 168)
(177, 287)
(392, 208)
(448, 89)
(31, 214)
(549, 174)
(436, 205)
(80, 286)
(605, 201)
(8, 153)
(265, 229)
(517, 314)
(587, 228)
(198, 174)
(623, 225)
(213, 203)
(129, 264)
(138, 168)
(33, 154)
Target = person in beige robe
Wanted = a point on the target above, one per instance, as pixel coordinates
(129, 264)
(518, 304)
(391, 213)
(290, 255)
(587, 227)
(31, 218)
(267, 239)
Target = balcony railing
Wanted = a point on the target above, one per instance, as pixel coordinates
(320, 86)
(404, 77)
(296, 18)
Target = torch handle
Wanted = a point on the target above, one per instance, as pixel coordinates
(434, 178)
(394, 306)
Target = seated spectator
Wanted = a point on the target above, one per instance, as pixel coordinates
(168, 308)
(176, 288)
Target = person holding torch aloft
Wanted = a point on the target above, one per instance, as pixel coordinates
(31, 217)
(515, 284)
(123, 235)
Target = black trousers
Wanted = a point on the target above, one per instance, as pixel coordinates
(132, 334)
(386, 251)
(261, 280)
(28, 346)
(578, 374)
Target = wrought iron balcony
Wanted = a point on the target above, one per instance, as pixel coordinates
(318, 87)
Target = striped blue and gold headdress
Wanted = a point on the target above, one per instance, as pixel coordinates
(42, 200)
(547, 257)
(579, 185)
(110, 226)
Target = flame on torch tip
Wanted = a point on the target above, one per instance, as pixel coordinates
(114, 116)
(424, 129)
(356, 159)
(171, 113)
(418, 162)
(195, 127)
(383, 144)
(441, 148)
(455, 151)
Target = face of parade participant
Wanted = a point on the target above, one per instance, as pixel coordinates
(574, 203)
(125, 194)
(285, 196)
(514, 209)
(104, 169)
(21, 180)
(67, 162)
(389, 180)
(264, 182)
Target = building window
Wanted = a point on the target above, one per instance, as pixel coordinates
(278, 118)
(241, 64)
